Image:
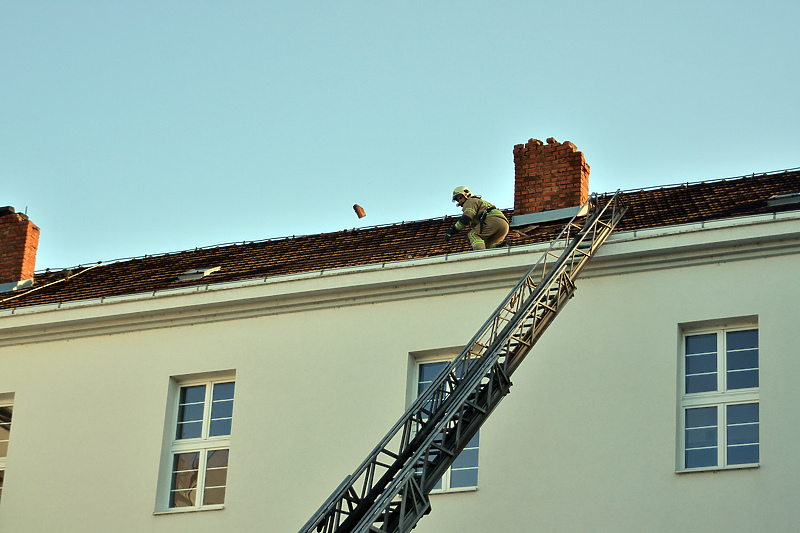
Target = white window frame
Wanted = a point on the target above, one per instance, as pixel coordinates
(202, 445)
(413, 388)
(6, 400)
(720, 398)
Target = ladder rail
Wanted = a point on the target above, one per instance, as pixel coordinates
(416, 433)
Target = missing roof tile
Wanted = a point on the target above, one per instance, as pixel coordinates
(780, 200)
(197, 273)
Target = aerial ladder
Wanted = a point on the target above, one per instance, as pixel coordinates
(388, 492)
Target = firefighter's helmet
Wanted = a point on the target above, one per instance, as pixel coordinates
(461, 190)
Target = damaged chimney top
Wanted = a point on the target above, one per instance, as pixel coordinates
(550, 181)
(19, 239)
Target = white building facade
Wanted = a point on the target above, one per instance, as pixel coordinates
(663, 397)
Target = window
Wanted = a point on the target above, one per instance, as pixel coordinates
(5, 432)
(463, 474)
(719, 402)
(200, 445)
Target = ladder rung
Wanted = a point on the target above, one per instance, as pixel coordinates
(442, 449)
(477, 407)
(520, 341)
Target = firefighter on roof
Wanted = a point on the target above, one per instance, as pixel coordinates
(489, 225)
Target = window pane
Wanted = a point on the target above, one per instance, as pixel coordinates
(701, 417)
(706, 343)
(467, 458)
(427, 373)
(189, 430)
(220, 427)
(183, 489)
(5, 428)
(701, 437)
(743, 455)
(743, 379)
(221, 413)
(183, 498)
(191, 418)
(214, 496)
(223, 391)
(742, 433)
(742, 359)
(701, 458)
(185, 461)
(701, 363)
(466, 477)
(190, 412)
(222, 409)
(701, 383)
(216, 476)
(195, 394)
(740, 340)
(217, 458)
(742, 413)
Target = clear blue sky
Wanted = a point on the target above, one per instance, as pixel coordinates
(142, 127)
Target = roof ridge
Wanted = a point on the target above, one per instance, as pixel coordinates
(715, 180)
(392, 224)
(245, 242)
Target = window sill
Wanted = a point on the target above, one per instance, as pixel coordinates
(752, 466)
(454, 491)
(182, 510)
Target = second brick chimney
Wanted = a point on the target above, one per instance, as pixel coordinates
(552, 177)
(19, 239)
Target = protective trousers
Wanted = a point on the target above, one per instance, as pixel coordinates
(490, 232)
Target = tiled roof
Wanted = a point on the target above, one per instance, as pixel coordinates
(648, 208)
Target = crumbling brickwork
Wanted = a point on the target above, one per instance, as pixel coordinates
(19, 239)
(549, 176)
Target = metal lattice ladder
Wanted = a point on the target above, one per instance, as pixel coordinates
(388, 493)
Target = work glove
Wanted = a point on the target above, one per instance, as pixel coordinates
(450, 233)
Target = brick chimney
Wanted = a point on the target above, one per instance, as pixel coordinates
(19, 238)
(550, 177)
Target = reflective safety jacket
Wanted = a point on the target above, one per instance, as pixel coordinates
(475, 210)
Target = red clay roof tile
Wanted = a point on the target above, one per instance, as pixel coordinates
(648, 208)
